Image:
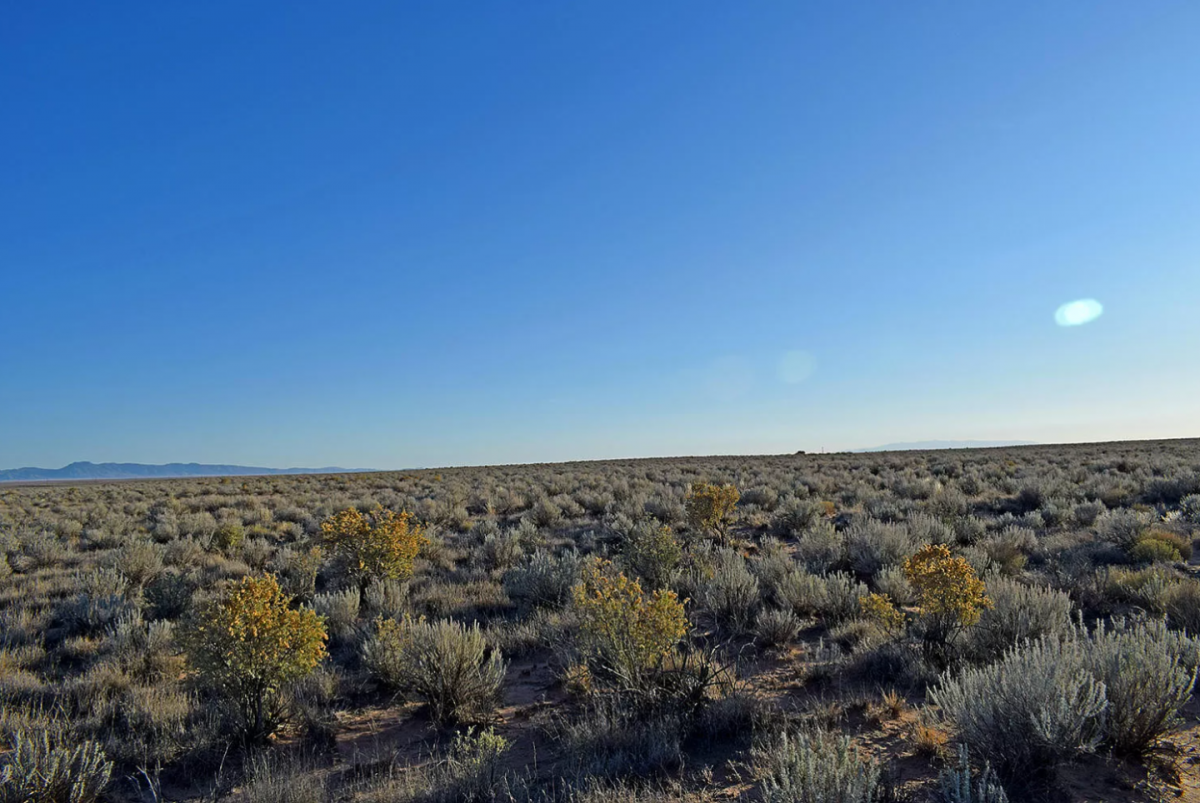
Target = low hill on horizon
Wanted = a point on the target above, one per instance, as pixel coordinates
(918, 445)
(83, 470)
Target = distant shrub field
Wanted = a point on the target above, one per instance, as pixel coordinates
(1011, 624)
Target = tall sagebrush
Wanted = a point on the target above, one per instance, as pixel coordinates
(816, 768)
(448, 666)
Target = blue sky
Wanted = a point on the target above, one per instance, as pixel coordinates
(401, 234)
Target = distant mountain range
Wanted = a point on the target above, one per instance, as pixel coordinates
(135, 471)
(903, 447)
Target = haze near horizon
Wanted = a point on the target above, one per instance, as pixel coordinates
(405, 234)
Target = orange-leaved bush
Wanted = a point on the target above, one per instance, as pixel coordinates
(626, 633)
(950, 595)
(382, 545)
(710, 507)
(249, 645)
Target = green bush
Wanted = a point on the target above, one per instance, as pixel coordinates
(1154, 550)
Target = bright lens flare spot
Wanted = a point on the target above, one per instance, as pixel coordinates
(1077, 313)
(796, 366)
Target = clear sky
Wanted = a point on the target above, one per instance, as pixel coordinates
(398, 234)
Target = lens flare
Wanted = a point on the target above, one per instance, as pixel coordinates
(1077, 313)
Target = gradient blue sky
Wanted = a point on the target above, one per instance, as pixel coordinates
(400, 234)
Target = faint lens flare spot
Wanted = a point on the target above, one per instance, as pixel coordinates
(1077, 313)
(796, 366)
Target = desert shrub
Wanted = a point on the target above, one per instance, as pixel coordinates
(730, 594)
(140, 562)
(710, 509)
(795, 516)
(546, 513)
(957, 786)
(1122, 527)
(387, 598)
(948, 591)
(383, 545)
(169, 595)
(1160, 545)
(882, 611)
(1181, 603)
(473, 771)
(1029, 711)
(652, 553)
(5, 568)
(815, 768)
(613, 739)
(925, 529)
(248, 646)
(256, 553)
(1145, 681)
(820, 548)
(1007, 550)
(1189, 506)
(872, 544)
(1086, 513)
(775, 627)
(969, 530)
(804, 593)
(43, 770)
(892, 582)
(339, 609)
(106, 599)
(625, 633)
(271, 780)
(764, 497)
(544, 580)
(1018, 612)
(444, 664)
(840, 600)
(297, 571)
(502, 548)
(1146, 588)
(183, 552)
(228, 537)
(1154, 550)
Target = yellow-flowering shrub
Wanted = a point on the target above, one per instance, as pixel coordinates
(950, 594)
(879, 608)
(249, 645)
(382, 545)
(626, 633)
(710, 508)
